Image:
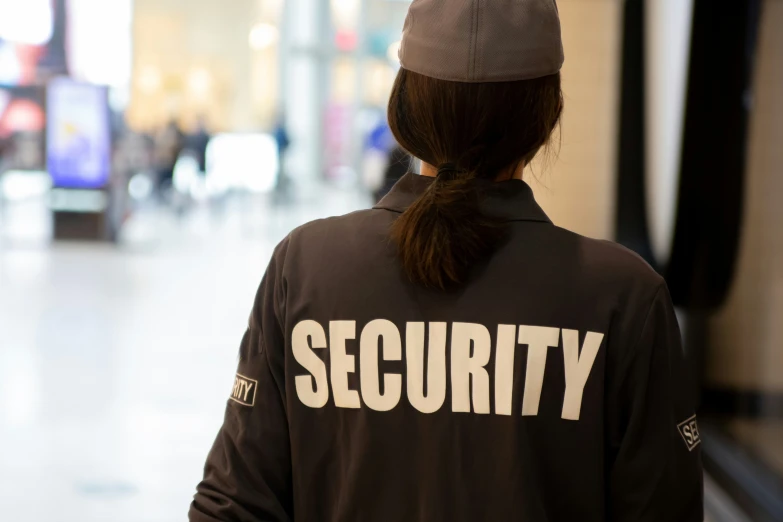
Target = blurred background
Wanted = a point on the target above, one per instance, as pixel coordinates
(153, 152)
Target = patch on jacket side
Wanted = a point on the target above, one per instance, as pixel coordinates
(690, 432)
(244, 390)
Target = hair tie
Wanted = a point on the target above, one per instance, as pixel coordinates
(448, 170)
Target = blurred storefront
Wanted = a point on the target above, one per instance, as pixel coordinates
(204, 59)
(321, 70)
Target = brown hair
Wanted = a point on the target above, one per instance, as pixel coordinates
(469, 131)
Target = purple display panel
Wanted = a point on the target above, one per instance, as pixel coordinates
(78, 134)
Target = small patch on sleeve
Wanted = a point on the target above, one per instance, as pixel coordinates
(690, 432)
(244, 390)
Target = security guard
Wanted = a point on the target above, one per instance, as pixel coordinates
(451, 355)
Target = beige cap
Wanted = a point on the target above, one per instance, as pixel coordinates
(482, 40)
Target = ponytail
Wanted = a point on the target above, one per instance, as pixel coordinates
(443, 233)
(472, 132)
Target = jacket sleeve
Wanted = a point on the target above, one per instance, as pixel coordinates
(655, 471)
(247, 476)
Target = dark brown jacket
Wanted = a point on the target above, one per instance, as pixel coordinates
(551, 387)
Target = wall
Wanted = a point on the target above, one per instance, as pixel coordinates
(576, 188)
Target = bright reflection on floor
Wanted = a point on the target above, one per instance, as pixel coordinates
(116, 361)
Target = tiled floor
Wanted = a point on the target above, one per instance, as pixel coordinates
(115, 362)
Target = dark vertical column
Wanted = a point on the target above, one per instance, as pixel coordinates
(631, 217)
(709, 208)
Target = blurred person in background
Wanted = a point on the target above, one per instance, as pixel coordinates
(451, 355)
(283, 142)
(197, 143)
(376, 153)
(169, 143)
(5, 152)
(397, 165)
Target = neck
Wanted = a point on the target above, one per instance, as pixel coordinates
(514, 172)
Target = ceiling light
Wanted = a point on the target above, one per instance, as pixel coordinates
(263, 36)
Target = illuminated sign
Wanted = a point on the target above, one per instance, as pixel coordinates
(78, 148)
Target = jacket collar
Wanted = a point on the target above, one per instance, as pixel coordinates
(512, 199)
